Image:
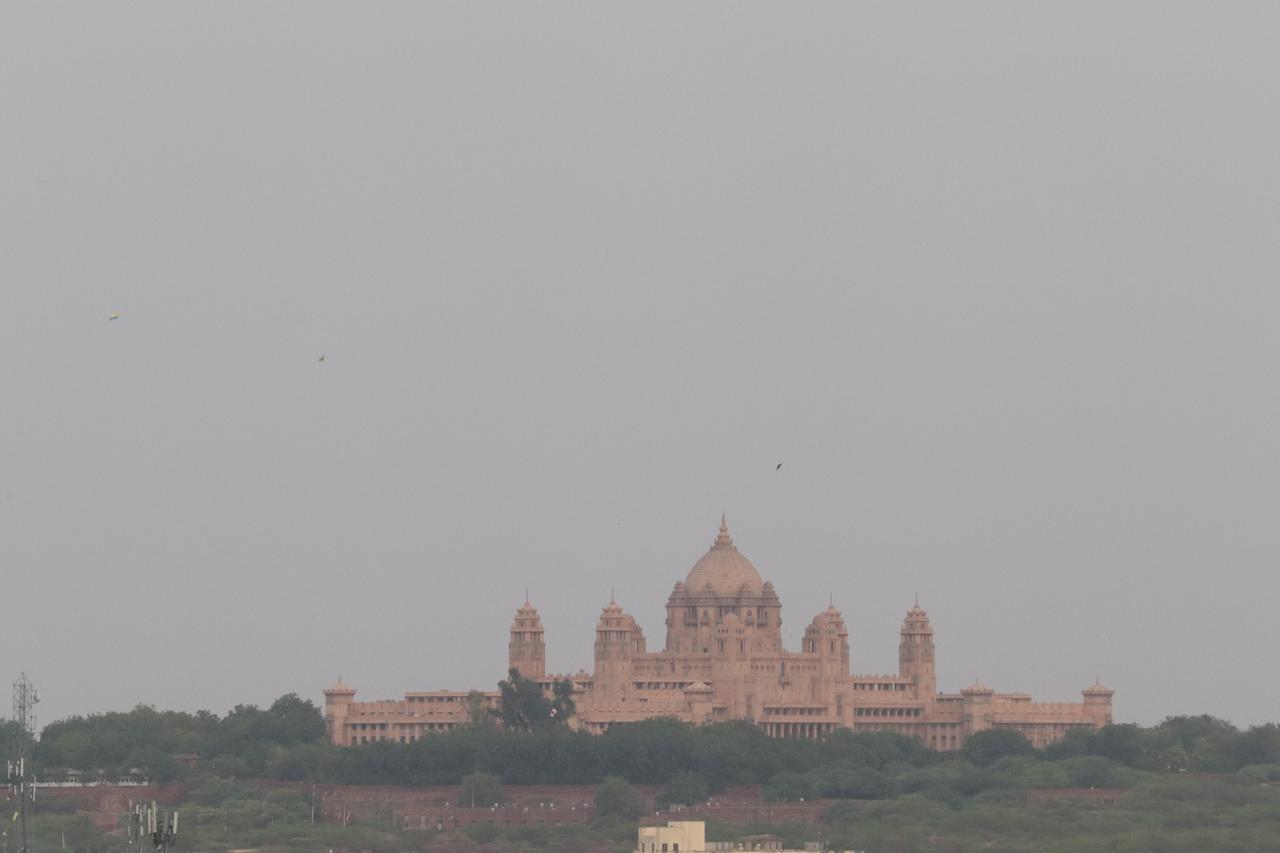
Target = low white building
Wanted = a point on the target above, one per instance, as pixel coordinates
(690, 836)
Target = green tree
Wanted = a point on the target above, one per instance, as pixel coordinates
(157, 765)
(616, 798)
(562, 700)
(476, 712)
(9, 736)
(1076, 743)
(295, 720)
(483, 789)
(788, 787)
(298, 763)
(524, 706)
(1258, 745)
(856, 783)
(1121, 743)
(987, 747)
(1210, 754)
(685, 788)
(650, 752)
(1091, 771)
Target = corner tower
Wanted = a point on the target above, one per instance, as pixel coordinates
(915, 653)
(828, 639)
(618, 640)
(337, 704)
(527, 651)
(1097, 703)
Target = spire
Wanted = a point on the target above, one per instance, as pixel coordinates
(724, 539)
(339, 689)
(917, 598)
(526, 595)
(613, 599)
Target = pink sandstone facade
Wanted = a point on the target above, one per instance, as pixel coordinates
(724, 660)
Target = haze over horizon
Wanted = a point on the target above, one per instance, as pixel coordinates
(996, 284)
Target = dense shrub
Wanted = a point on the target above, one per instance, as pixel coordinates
(684, 789)
(987, 747)
(788, 787)
(863, 783)
(616, 798)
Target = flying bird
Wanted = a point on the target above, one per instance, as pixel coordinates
(321, 358)
(113, 316)
(779, 468)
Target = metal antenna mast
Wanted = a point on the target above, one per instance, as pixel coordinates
(146, 823)
(21, 775)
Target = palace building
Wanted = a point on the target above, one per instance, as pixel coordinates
(723, 659)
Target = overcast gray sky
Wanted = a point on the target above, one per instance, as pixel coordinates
(996, 282)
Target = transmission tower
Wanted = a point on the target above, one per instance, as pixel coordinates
(21, 775)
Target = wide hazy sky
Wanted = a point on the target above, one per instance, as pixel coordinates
(998, 284)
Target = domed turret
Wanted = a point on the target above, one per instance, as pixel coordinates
(828, 638)
(723, 582)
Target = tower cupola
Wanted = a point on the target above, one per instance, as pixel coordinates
(527, 650)
(916, 653)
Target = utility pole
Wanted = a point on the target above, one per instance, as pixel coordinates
(21, 775)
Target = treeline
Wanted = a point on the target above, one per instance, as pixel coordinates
(287, 741)
(657, 751)
(242, 743)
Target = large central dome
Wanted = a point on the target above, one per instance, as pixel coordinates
(724, 569)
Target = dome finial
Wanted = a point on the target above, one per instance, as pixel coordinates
(724, 538)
